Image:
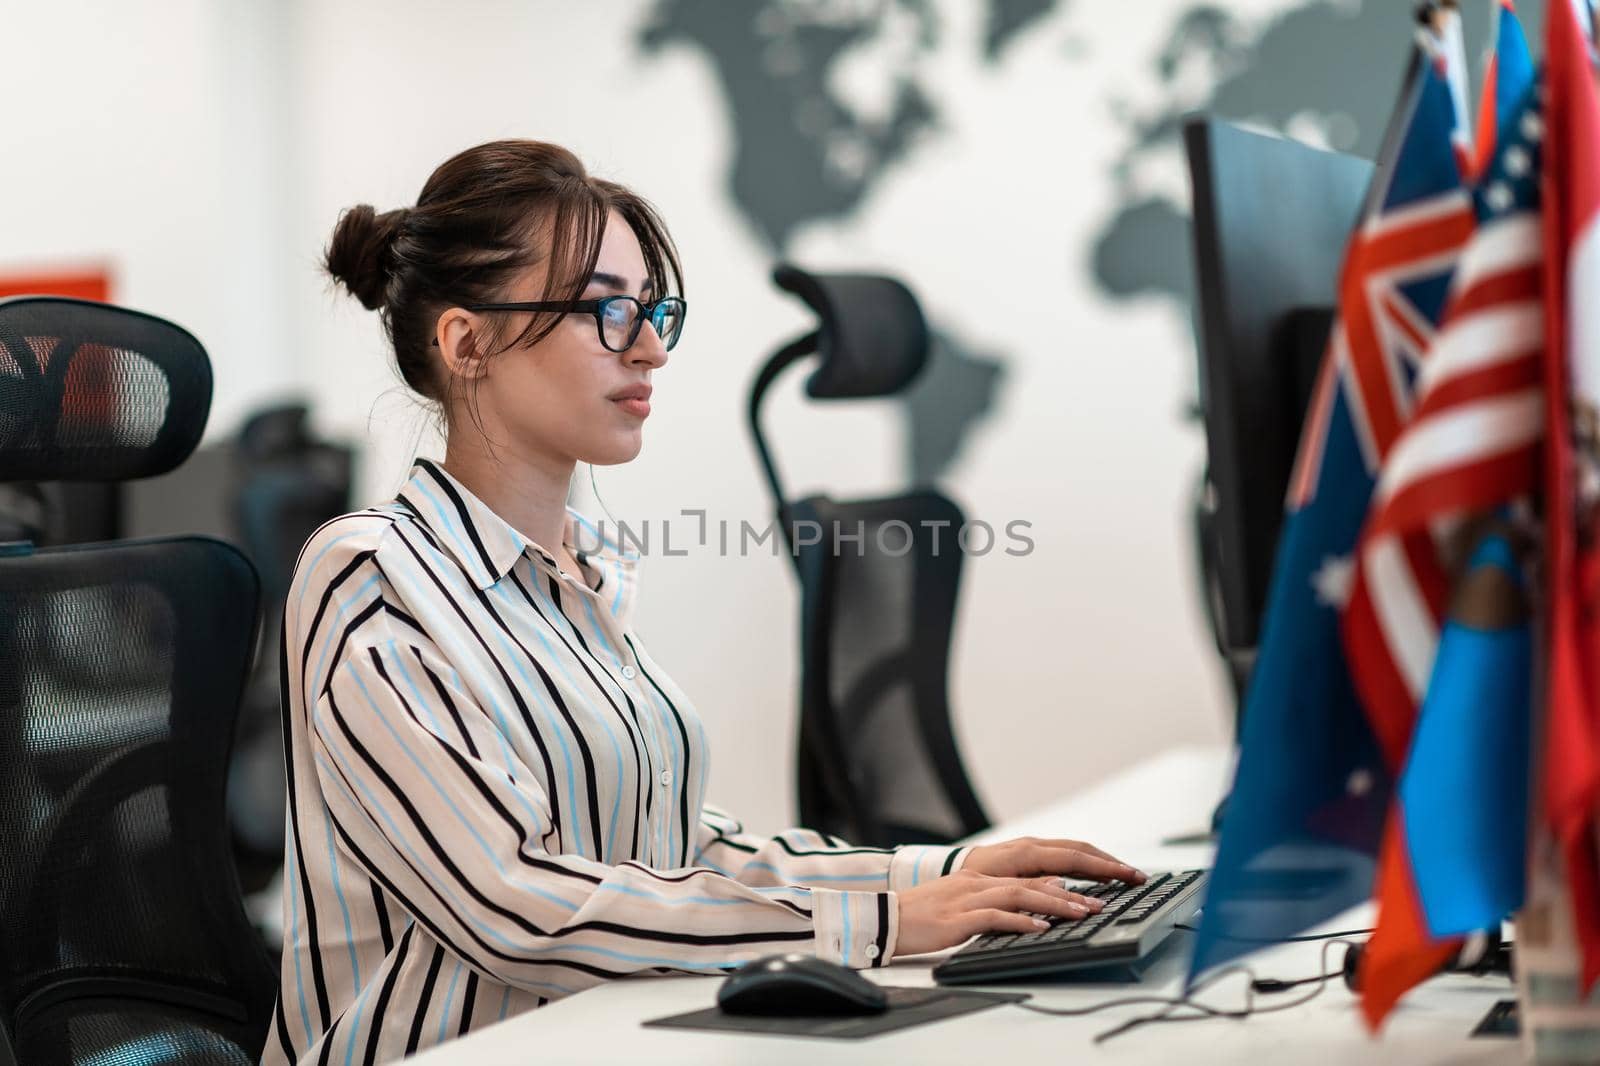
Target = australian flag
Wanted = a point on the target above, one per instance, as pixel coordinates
(1305, 818)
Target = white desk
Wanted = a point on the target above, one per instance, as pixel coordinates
(1128, 815)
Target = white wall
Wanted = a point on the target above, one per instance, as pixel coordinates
(207, 146)
(151, 137)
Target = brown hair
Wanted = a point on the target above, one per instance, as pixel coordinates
(483, 216)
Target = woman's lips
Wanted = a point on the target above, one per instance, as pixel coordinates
(634, 399)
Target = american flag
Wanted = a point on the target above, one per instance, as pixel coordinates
(1471, 447)
(1470, 444)
(1466, 444)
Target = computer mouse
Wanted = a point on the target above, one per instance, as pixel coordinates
(799, 984)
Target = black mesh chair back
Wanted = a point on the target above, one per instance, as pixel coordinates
(877, 762)
(92, 392)
(92, 411)
(123, 936)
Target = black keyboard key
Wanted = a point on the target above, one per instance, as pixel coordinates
(1139, 892)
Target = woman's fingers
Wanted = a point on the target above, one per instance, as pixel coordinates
(995, 920)
(1071, 862)
(1081, 845)
(1054, 886)
(1089, 903)
(1031, 856)
(1024, 897)
(947, 910)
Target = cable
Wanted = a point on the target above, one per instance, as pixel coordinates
(1246, 1011)
(1282, 939)
(1272, 985)
(594, 488)
(1170, 1004)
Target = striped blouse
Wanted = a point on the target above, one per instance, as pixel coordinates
(496, 797)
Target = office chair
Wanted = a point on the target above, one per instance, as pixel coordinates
(287, 484)
(877, 761)
(123, 937)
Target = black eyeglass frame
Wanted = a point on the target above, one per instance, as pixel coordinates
(654, 311)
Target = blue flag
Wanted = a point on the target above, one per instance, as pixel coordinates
(1464, 792)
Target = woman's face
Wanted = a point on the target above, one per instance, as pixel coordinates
(568, 398)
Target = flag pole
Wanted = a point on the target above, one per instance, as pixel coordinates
(1400, 121)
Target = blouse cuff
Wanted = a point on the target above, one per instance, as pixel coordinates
(857, 929)
(915, 863)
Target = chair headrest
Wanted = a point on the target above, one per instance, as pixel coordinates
(93, 392)
(872, 338)
(275, 431)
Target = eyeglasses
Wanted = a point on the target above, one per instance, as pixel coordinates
(617, 318)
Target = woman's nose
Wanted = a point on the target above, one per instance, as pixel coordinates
(647, 349)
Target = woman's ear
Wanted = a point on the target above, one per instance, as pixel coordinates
(457, 333)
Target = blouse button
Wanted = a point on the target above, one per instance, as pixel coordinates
(872, 951)
(628, 672)
(665, 778)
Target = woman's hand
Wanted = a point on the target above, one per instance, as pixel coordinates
(1033, 857)
(943, 912)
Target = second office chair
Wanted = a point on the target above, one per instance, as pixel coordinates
(878, 762)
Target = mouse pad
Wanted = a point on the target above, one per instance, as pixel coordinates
(907, 1007)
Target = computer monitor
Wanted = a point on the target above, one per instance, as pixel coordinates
(1272, 218)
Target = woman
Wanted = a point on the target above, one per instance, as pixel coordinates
(496, 796)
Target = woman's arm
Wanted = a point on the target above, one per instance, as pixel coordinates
(429, 789)
(806, 857)
(428, 799)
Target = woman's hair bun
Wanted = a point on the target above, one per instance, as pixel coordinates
(361, 254)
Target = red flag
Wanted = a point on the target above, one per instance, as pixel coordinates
(1401, 952)
(1571, 197)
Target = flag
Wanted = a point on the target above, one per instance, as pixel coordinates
(1309, 795)
(1455, 842)
(1508, 73)
(1571, 193)
(1399, 589)
(1449, 49)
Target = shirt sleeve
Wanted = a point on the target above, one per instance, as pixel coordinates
(425, 793)
(806, 857)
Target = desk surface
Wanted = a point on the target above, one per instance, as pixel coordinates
(1128, 814)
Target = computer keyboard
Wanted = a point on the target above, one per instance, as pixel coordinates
(1136, 919)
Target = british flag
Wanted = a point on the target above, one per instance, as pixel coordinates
(1392, 291)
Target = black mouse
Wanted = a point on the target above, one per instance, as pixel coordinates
(799, 984)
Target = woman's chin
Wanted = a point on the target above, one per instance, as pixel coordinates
(618, 451)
